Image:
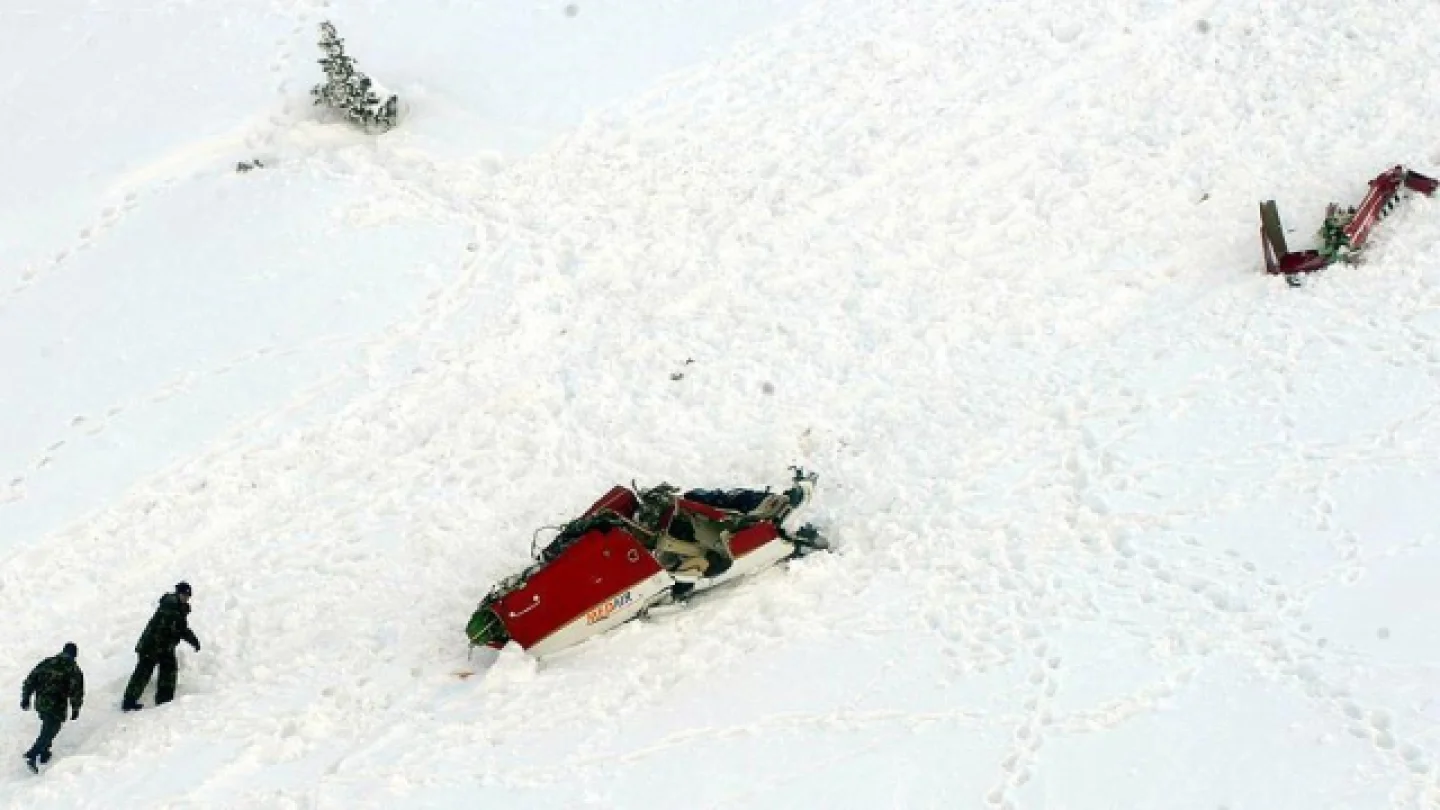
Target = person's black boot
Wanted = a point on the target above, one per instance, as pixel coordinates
(130, 706)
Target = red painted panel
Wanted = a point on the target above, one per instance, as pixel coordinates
(1301, 261)
(1416, 181)
(748, 539)
(598, 566)
(619, 500)
(1382, 188)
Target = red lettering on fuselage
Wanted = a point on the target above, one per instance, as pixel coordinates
(601, 612)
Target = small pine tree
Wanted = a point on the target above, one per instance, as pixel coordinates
(1334, 242)
(348, 91)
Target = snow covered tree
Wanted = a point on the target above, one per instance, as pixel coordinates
(1334, 242)
(348, 91)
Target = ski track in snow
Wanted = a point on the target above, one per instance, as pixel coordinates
(1002, 397)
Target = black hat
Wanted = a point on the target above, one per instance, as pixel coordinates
(70, 650)
(183, 587)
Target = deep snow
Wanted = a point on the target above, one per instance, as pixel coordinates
(1122, 523)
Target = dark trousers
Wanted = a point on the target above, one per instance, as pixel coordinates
(164, 685)
(49, 726)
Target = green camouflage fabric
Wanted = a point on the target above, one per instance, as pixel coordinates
(57, 684)
(167, 628)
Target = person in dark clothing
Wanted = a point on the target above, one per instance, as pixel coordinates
(156, 648)
(58, 686)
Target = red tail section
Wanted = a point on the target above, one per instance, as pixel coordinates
(1383, 192)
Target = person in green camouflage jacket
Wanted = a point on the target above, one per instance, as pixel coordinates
(156, 648)
(58, 686)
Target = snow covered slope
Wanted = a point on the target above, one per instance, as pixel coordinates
(1122, 523)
